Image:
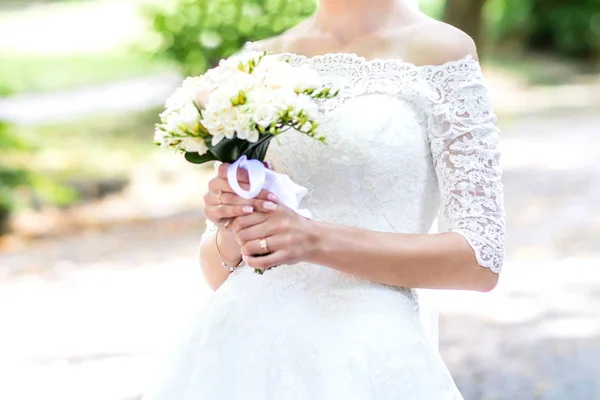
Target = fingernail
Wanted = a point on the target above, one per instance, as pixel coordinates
(248, 209)
(272, 197)
(270, 205)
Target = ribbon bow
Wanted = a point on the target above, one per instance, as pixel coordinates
(260, 177)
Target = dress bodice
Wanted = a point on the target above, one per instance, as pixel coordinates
(402, 141)
(374, 172)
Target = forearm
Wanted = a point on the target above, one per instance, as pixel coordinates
(431, 261)
(214, 273)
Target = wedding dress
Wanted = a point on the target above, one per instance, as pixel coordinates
(402, 141)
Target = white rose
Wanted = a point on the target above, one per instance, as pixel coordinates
(201, 88)
(194, 145)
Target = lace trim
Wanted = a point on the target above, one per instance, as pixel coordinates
(419, 85)
(355, 59)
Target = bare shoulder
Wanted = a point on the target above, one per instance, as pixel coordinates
(282, 42)
(434, 43)
(272, 44)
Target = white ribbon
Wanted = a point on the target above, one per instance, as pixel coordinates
(289, 193)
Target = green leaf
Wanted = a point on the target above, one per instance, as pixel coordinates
(258, 150)
(196, 158)
(229, 150)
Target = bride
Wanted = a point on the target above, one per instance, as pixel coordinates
(411, 133)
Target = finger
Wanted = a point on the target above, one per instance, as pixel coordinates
(247, 221)
(253, 247)
(222, 170)
(223, 211)
(242, 174)
(218, 184)
(251, 236)
(233, 199)
(269, 261)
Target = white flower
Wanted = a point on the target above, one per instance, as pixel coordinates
(266, 105)
(194, 145)
(239, 62)
(188, 118)
(307, 78)
(200, 88)
(172, 124)
(235, 102)
(219, 117)
(160, 137)
(179, 99)
(245, 127)
(275, 74)
(307, 104)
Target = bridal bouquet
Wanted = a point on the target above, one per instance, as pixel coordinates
(232, 112)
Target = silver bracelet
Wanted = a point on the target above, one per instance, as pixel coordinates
(223, 263)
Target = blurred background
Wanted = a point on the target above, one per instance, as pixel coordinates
(99, 230)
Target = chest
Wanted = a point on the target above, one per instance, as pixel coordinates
(369, 138)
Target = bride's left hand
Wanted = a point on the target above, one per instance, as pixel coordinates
(289, 237)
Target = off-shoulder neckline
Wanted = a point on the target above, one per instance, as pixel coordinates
(332, 56)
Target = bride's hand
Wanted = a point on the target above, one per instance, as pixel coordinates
(288, 237)
(222, 204)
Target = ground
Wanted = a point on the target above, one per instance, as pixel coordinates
(85, 315)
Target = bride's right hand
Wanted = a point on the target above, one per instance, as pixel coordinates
(222, 204)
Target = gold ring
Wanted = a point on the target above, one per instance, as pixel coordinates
(263, 245)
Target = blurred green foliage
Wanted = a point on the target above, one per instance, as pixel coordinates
(10, 177)
(198, 33)
(566, 27)
(18, 180)
(24, 73)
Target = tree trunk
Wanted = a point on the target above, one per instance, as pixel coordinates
(468, 16)
(4, 219)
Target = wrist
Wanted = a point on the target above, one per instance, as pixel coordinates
(229, 250)
(317, 239)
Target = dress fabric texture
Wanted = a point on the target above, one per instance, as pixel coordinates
(403, 143)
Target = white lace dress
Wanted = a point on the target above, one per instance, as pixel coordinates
(403, 141)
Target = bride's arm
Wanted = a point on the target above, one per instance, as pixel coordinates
(439, 261)
(214, 273)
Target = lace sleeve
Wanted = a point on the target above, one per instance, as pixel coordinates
(464, 141)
